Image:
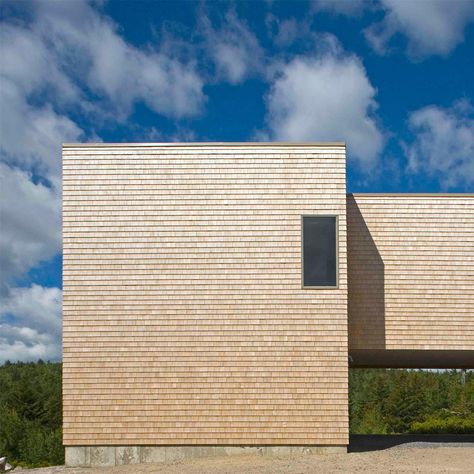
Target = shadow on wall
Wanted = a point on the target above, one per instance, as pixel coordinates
(366, 286)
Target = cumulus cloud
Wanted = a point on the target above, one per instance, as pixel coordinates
(432, 27)
(30, 324)
(115, 69)
(31, 136)
(30, 65)
(32, 130)
(30, 150)
(233, 48)
(443, 144)
(30, 216)
(327, 98)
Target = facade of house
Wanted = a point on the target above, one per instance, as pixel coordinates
(215, 294)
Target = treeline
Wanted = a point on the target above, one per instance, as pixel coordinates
(385, 401)
(381, 401)
(31, 414)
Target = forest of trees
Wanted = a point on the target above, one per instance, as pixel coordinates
(31, 414)
(381, 401)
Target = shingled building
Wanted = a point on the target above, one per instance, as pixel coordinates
(215, 295)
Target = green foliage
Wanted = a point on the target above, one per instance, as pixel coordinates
(41, 447)
(31, 414)
(410, 401)
(373, 422)
(453, 424)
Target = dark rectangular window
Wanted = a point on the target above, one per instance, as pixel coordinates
(319, 251)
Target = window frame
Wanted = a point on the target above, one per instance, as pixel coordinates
(336, 223)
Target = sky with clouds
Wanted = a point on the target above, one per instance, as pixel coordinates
(394, 79)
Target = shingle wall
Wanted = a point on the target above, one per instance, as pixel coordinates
(411, 272)
(184, 317)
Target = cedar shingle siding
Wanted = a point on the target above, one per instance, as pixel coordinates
(185, 320)
(411, 272)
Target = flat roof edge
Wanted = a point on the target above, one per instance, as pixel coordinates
(382, 195)
(203, 144)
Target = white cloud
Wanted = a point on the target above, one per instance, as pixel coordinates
(30, 221)
(287, 31)
(90, 46)
(31, 66)
(37, 306)
(234, 49)
(443, 144)
(32, 136)
(432, 27)
(327, 98)
(34, 330)
(283, 32)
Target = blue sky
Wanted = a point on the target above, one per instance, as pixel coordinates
(394, 79)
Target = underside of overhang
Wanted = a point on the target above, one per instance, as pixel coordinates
(411, 359)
